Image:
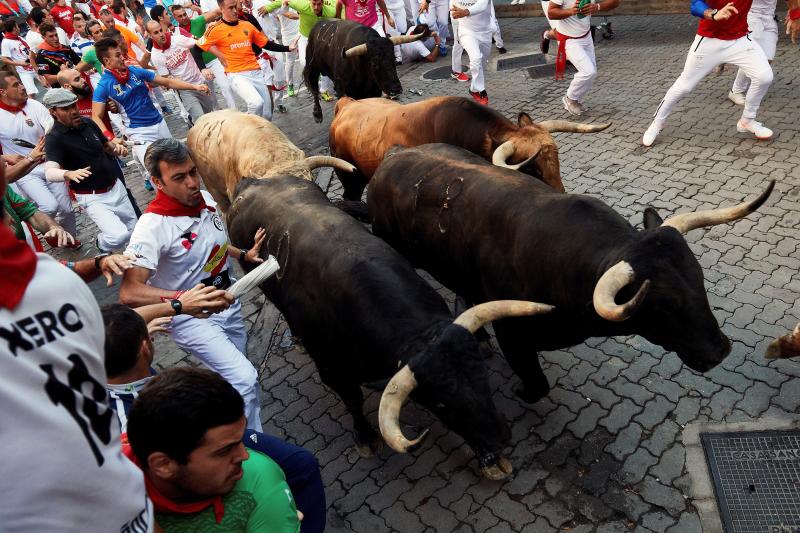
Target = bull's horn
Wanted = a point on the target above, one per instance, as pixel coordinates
(506, 150)
(316, 161)
(607, 288)
(575, 127)
(476, 317)
(686, 222)
(392, 399)
(405, 39)
(358, 50)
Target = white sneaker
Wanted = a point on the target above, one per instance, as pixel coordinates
(572, 106)
(736, 98)
(651, 134)
(756, 128)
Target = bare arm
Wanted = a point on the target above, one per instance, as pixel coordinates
(199, 301)
(135, 292)
(212, 15)
(174, 83)
(98, 111)
(338, 9)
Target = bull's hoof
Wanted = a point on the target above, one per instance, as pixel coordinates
(500, 470)
(317, 117)
(369, 449)
(528, 395)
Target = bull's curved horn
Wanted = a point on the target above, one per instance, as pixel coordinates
(506, 150)
(405, 39)
(575, 127)
(392, 399)
(476, 317)
(316, 161)
(357, 50)
(607, 288)
(686, 222)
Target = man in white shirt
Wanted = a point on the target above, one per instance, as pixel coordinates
(80, 41)
(573, 31)
(19, 55)
(36, 18)
(27, 120)
(181, 241)
(475, 35)
(172, 57)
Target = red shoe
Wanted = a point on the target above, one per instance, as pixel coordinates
(481, 97)
(460, 76)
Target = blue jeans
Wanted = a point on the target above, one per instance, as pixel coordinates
(302, 475)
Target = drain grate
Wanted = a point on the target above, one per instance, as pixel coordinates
(442, 73)
(756, 479)
(548, 70)
(527, 60)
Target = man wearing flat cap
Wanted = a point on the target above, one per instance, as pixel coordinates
(79, 154)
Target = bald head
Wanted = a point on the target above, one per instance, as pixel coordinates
(157, 32)
(66, 76)
(72, 80)
(151, 24)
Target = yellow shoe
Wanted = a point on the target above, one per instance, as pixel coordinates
(325, 95)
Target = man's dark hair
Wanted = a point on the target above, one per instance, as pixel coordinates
(6, 72)
(9, 25)
(176, 7)
(102, 47)
(37, 15)
(166, 150)
(125, 331)
(91, 24)
(80, 14)
(156, 12)
(46, 28)
(112, 33)
(118, 7)
(176, 408)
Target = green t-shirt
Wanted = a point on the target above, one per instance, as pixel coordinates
(19, 209)
(259, 502)
(90, 57)
(307, 16)
(198, 28)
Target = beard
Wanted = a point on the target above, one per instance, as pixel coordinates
(83, 91)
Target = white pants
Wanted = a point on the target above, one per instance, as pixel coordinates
(412, 10)
(147, 135)
(251, 87)
(438, 17)
(113, 214)
(325, 83)
(496, 35)
(580, 52)
(28, 79)
(478, 47)
(52, 197)
(764, 31)
(457, 53)
(220, 342)
(398, 13)
(289, 32)
(221, 81)
(707, 53)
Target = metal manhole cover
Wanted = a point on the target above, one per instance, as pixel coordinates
(528, 60)
(548, 70)
(756, 479)
(442, 73)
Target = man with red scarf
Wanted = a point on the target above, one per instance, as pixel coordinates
(181, 241)
(16, 52)
(54, 405)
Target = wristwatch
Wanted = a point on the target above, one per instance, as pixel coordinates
(177, 306)
(97, 259)
(713, 13)
(243, 254)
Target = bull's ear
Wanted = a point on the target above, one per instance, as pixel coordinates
(523, 119)
(651, 218)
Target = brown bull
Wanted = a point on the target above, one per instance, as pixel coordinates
(363, 130)
(229, 145)
(786, 346)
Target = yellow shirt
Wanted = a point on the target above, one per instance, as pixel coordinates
(234, 41)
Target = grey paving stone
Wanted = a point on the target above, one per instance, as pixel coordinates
(636, 465)
(688, 523)
(620, 415)
(670, 465)
(627, 441)
(661, 495)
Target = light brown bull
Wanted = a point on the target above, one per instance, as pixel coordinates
(363, 130)
(785, 346)
(229, 145)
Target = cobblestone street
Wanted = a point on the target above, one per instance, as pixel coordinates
(603, 452)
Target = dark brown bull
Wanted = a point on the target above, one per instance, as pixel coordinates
(363, 130)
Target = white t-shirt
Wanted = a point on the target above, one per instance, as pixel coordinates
(290, 28)
(34, 39)
(182, 251)
(571, 26)
(416, 50)
(30, 124)
(480, 16)
(62, 468)
(177, 60)
(17, 50)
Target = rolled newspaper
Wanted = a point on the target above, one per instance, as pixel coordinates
(255, 277)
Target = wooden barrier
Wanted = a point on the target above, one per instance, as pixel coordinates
(533, 8)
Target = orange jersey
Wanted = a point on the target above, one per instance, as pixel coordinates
(235, 43)
(130, 38)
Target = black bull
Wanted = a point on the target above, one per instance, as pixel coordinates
(365, 315)
(492, 233)
(365, 75)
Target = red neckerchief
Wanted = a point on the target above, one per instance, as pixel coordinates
(561, 55)
(162, 503)
(169, 207)
(12, 36)
(121, 77)
(18, 264)
(124, 21)
(166, 44)
(14, 108)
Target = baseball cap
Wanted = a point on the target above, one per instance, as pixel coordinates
(59, 98)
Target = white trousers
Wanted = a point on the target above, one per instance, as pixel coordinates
(457, 53)
(221, 81)
(398, 13)
(764, 31)
(496, 35)
(707, 53)
(52, 197)
(580, 52)
(220, 342)
(147, 135)
(325, 83)
(28, 79)
(113, 214)
(478, 47)
(412, 10)
(439, 17)
(251, 87)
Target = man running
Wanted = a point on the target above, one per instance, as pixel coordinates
(722, 37)
(475, 36)
(17, 53)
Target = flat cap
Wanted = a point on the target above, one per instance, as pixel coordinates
(59, 98)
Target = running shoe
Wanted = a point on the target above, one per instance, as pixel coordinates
(148, 186)
(572, 106)
(443, 50)
(736, 98)
(761, 132)
(460, 76)
(291, 90)
(651, 133)
(502, 49)
(325, 95)
(544, 45)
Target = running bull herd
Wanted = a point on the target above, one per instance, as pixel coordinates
(456, 189)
